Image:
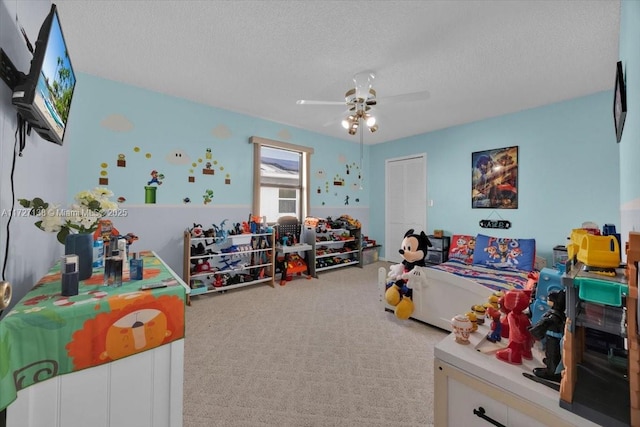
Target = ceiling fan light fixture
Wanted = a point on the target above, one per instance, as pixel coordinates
(345, 123)
(373, 128)
(370, 120)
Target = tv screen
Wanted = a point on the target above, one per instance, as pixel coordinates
(43, 97)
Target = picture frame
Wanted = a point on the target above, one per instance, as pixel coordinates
(494, 178)
(619, 102)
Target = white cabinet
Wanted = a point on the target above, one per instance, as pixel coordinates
(473, 387)
(215, 264)
(333, 248)
(142, 390)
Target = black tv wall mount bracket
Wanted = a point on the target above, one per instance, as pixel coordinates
(8, 72)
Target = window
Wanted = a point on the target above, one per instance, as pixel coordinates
(281, 179)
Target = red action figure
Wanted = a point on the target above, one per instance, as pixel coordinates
(520, 339)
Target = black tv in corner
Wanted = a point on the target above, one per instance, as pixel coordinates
(619, 101)
(43, 97)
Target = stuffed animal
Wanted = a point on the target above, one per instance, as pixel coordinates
(399, 293)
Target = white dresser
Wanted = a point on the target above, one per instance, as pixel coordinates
(474, 388)
(142, 390)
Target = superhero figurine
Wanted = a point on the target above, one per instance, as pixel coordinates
(550, 328)
(520, 340)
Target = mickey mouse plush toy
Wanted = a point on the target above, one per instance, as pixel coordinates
(414, 250)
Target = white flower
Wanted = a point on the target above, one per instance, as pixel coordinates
(51, 221)
(81, 217)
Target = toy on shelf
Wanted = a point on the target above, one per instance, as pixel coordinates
(462, 327)
(550, 328)
(496, 310)
(520, 340)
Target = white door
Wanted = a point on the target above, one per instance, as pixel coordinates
(405, 201)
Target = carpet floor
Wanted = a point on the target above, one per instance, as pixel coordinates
(319, 352)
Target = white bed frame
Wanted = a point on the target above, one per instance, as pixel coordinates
(437, 295)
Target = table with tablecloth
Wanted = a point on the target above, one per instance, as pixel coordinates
(47, 334)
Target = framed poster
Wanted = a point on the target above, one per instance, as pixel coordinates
(494, 178)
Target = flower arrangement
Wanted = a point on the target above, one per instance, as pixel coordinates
(80, 217)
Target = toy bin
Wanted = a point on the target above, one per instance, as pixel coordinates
(600, 291)
(560, 255)
(370, 254)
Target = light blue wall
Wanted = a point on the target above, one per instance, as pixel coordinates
(568, 171)
(571, 169)
(630, 143)
(156, 127)
(40, 171)
(162, 125)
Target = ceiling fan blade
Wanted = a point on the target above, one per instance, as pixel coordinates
(311, 102)
(337, 119)
(405, 97)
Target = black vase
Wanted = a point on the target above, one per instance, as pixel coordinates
(81, 245)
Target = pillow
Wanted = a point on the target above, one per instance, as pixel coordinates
(503, 252)
(462, 247)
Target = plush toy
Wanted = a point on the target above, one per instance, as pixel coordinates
(399, 293)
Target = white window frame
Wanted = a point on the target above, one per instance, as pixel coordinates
(305, 174)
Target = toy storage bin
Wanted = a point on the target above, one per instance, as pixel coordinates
(606, 317)
(600, 291)
(560, 255)
(370, 254)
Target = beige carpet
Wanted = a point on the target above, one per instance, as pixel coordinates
(319, 352)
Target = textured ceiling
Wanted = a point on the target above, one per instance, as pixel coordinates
(478, 59)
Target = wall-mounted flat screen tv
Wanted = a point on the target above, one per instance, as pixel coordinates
(43, 97)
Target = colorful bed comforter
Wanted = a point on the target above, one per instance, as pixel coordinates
(493, 278)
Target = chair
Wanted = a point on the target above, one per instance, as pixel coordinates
(288, 230)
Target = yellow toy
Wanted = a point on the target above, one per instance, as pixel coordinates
(404, 309)
(480, 313)
(474, 320)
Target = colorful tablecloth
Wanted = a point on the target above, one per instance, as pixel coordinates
(47, 334)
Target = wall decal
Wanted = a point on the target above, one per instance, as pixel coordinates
(221, 131)
(208, 196)
(177, 157)
(284, 134)
(117, 123)
(122, 162)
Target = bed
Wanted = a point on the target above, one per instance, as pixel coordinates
(477, 267)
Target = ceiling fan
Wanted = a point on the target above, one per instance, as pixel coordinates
(360, 99)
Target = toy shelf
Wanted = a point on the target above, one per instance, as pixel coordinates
(332, 249)
(218, 264)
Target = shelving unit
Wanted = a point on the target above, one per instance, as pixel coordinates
(439, 250)
(217, 264)
(592, 386)
(333, 248)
